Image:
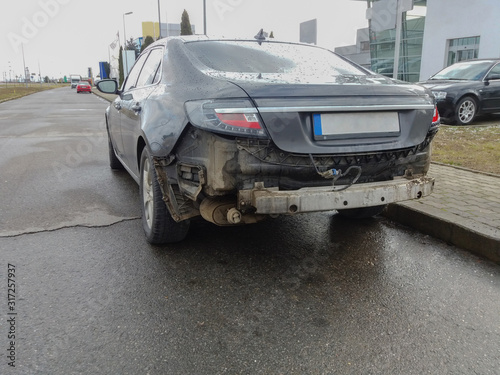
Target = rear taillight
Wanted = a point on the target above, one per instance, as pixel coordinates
(435, 118)
(242, 120)
(232, 116)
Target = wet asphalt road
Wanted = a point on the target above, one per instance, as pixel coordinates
(310, 294)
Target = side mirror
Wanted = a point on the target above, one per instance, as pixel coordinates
(108, 86)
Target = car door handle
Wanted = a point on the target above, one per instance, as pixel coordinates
(136, 107)
(118, 105)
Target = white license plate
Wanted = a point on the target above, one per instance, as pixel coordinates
(369, 124)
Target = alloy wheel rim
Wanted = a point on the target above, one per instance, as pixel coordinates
(466, 111)
(147, 193)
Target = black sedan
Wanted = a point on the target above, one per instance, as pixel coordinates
(467, 89)
(236, 131)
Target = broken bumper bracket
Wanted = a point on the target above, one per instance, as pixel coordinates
(273, 201)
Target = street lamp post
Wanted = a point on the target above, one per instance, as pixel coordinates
(204, 17)
(159, 21)
(125, 44)
(24, 65)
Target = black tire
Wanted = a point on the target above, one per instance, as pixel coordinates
(159, 226)
(362, 213)
(466, 110)
(114, 162)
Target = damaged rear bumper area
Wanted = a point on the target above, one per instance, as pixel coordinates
(273, 201)
(232, 181)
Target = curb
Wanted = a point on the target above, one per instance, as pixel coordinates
(463, 236)
(107, 97)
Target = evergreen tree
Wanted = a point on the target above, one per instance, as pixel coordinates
(147, 41)
(271, 35)
(185, 24)
(120, 67)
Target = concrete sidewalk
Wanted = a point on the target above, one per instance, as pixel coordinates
(463, 210)
(108, 97)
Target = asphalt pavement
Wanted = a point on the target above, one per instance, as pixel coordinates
(463, 210)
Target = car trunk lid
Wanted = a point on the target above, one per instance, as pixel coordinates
(340, 118)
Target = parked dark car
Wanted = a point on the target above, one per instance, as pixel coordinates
(83, 86)
(466, 89)
(238, 131)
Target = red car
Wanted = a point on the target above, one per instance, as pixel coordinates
(82, 87)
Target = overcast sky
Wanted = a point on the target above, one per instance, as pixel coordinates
(61, 37)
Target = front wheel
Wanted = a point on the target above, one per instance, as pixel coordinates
(466, 110)
(158, 224)
(361, 213)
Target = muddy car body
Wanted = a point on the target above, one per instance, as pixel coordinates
(237, 131)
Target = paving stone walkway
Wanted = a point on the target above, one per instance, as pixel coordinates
(464, 209)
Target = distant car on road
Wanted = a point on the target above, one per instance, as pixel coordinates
(466, 89)
(83, 86)
(236, 131)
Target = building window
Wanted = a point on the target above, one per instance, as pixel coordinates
(365, 46)
(462, 49)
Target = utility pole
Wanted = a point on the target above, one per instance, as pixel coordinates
(39, 73)
(204, 17)
(125, 73)
(24, 66)
(159, 21)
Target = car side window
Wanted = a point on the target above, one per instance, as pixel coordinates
(150, 73)
(495, 71)
(131, 81)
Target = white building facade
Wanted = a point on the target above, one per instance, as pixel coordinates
(459, 30)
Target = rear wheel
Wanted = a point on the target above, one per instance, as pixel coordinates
(361, 213)
(158, 224)
(466, 110)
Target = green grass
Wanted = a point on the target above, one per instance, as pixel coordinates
(17, 90)
(475, 147)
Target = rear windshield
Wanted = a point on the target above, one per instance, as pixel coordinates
(272, 60)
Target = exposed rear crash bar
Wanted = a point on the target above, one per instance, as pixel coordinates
(273, 201)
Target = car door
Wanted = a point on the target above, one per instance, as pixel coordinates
(142, 82)
(491, 90)
(118, 115)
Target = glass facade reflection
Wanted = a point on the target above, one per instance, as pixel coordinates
(463, 49)
(382, 45)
